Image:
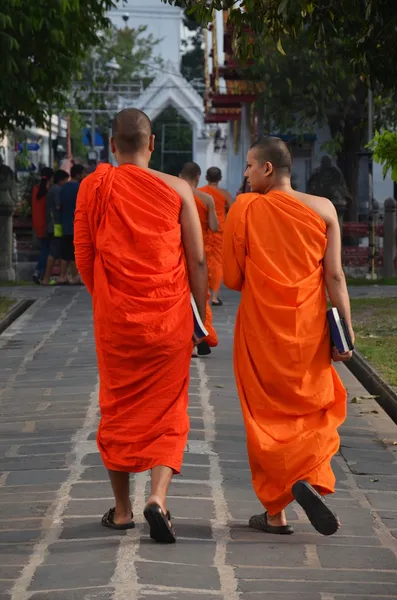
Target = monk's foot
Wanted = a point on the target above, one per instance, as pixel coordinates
(216, 301)
(120, 522)
(159, 520)
(276, 524)
(278, 520)
(319, 514)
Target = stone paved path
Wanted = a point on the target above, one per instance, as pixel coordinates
(53, 488)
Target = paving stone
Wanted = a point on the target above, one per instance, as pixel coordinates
(377, 482)
(186, 552)
(19, 535)
(171, 595)
(355, 455)
(389, 518)
(91, 551)
(70, 576)
(11, 511)
(366, 558)
(190, 528)
(85, 528)
(194, 577)
(195, 459)
(377, 468)
(93, 490)
(86, 594)
(199, 473)
(357, 589)
(36, 477)
(195, 490)
(265, 554)
(14, 554)
(308, 574)
(382, 500)
(95, 474)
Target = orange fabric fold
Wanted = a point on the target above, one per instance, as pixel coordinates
(215, 242)
(292, 398)
(130, 255)
(212, 338)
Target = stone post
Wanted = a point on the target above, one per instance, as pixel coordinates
(389, 240)
(7, 272)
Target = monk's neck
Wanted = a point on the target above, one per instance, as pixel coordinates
(281, 186)
(137, 161)
(215, 185)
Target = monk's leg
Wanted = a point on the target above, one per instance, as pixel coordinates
(121, 489)
(277, 520)
(161, 479)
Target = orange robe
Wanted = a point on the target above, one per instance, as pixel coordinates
(212, 338)
(292, 399)
(130, 255)
(215, 262)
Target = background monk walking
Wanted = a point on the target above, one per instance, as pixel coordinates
(138, 246)
(191, 173)
(282, 249)
(223, 201)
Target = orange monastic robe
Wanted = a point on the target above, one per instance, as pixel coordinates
(215, 262)
(292, 399)
(130, 255)
(212, 338)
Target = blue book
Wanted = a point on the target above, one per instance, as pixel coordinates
(340, 335)
(199, 329)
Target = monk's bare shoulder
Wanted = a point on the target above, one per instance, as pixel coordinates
(322, 206)
(204, 197)
(180, 186)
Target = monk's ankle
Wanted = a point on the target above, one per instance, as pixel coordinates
(278, 520)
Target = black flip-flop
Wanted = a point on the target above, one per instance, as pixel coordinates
(219, 303)
(319, 514)
(108, 521)
(260, 523)
(159, 523)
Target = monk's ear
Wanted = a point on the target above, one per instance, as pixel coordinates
(112, 145)
(268, 168)
(151, 143)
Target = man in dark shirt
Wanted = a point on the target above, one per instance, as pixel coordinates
(68, 197)
(52, 201)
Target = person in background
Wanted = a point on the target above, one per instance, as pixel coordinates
(39, 224)
(205, 204)
(223, 201)
(53, 205)
(68, 199)
(245, 187)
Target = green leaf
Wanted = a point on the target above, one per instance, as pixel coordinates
(280, 47)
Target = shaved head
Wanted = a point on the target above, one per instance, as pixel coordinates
(274, 151)
(190, 171)
(214, 175)
(131, 131)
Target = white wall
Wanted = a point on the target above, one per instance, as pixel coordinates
(162, 21)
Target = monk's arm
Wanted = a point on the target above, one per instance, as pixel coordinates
(84, 248)
(334, 276)
(213, 222)
(229, 200)
(233, 251)
(192, 239)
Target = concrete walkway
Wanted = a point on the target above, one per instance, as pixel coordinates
(53, 489)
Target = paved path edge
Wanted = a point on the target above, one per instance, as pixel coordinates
(384, 394)
(16, 311)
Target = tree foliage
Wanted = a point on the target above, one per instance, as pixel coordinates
(192, 62)
(369, 28)
(384, 147)
(42, 43)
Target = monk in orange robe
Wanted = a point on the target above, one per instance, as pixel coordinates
(191, 173)
(223, 201)
(140, 252)
(282, 250)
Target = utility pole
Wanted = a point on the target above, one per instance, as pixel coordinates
(371, 213)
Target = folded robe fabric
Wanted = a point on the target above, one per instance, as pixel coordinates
(130, 255)
(292, 399)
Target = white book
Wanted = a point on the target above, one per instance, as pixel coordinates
(199, 328)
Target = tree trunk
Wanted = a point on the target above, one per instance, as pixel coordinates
(348, 162)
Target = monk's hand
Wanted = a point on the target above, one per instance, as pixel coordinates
(341, 357)
(196, 340)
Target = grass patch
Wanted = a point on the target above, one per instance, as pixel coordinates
(363, 281)
(375, 326)
(5, 305)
